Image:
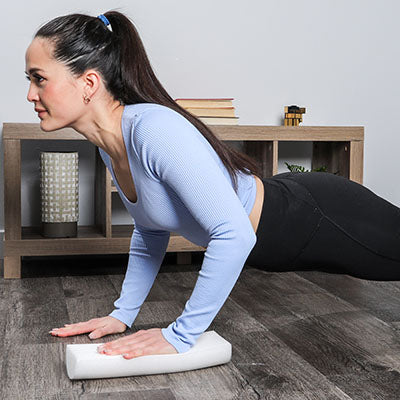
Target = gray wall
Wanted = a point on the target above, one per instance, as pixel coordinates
(340, 59)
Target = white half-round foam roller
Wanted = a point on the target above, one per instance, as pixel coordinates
(83, 361)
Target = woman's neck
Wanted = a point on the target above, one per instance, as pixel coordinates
(101, 125)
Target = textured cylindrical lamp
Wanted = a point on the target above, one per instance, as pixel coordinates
(59, 190)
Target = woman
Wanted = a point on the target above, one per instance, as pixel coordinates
(174, 175)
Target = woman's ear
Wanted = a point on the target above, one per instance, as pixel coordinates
(91, 82)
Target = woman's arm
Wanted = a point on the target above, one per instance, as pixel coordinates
(173, 150)
(147, 250)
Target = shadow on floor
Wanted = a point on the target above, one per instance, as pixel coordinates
(97, 264)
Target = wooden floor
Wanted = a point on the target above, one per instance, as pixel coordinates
(305, 335)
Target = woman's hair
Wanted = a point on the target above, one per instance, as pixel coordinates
(84, 42)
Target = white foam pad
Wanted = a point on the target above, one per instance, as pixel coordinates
(85, 362)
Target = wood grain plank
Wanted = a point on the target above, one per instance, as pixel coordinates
(347, 344)
(34, 371)
(223, 132)
(356, 165)
(271, 368)
(378, 384)
(34, 305)
(152, 394)
(381, 299)
(277, 372)
(88, 297)
(5, 288)
(90, 287)
(283, 298)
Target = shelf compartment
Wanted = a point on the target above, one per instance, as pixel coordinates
(334, 155)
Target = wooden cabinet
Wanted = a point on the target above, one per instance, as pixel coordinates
(339, 148)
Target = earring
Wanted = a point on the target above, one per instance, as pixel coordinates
(86, 99)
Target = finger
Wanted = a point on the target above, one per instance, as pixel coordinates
(75, 329)
(133, 339)
(78, 324)
(54, 330)
(128, 355)
(122, 341)
(128, 344)
(100, 332)
(138, 336)
(144, 349)
(127, 350)
(65, 333)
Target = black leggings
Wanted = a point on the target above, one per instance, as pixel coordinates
(321, 221)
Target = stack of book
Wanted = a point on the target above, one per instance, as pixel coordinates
(293, 115)
(211, 111)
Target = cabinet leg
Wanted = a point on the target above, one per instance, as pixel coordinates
(12, 267)
(184, 258)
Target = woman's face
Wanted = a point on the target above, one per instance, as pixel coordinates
(56, 94)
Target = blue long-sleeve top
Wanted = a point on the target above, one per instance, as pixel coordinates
(182, 186)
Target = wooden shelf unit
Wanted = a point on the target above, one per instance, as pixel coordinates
(340, 148)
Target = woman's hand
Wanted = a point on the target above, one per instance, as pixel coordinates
(141, 343)
(98, 327)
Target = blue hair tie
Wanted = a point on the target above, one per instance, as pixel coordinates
(106, 21)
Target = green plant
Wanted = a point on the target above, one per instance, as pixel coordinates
(299, 168)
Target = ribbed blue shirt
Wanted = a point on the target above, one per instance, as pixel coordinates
(182, 186)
